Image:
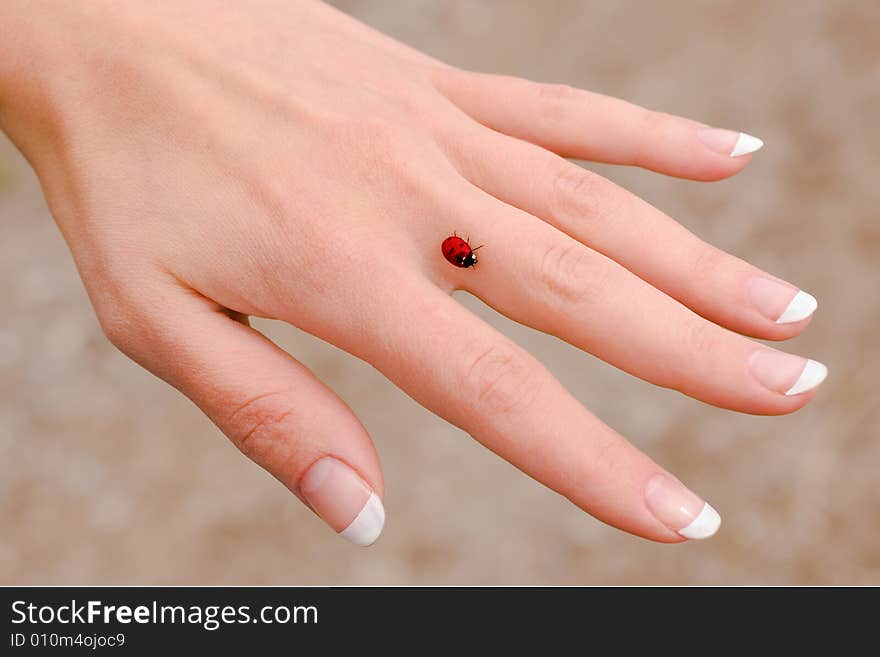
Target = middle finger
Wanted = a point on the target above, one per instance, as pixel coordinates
(541, 277)
(719, 286)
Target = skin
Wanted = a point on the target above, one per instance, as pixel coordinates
(211, 161)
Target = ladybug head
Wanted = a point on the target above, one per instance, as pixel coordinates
(469, 260)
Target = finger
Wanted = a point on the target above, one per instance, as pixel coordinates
(585, 125)
(541, 277)
(611, 220)
(269, 405)
(457, 366)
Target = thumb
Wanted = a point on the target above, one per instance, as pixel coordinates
(272, 408)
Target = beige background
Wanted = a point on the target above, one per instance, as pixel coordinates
(108, 476)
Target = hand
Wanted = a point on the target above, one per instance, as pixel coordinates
(210, 161)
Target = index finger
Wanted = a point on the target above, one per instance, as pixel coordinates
(585, 125)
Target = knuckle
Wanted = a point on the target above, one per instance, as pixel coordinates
(654, 123)
(125, 299)
(391, 158)
(702, 338)
(708, 262)
(117, 328)
(126, 323)
(568, 274)
(558, 92)
(575, 192)
(579, 194)
(501, 379)
(612, 455)
(556, 100)
(257, 425)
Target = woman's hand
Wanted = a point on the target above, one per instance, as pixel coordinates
(208, 161)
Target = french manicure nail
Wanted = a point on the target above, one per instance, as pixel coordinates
(679, 509)
(343, 500)
(729, 142)
(780, 302)
(814, 373)
(786, 373)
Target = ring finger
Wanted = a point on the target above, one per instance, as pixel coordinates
(465, 371)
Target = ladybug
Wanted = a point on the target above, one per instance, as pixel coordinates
(459, 252)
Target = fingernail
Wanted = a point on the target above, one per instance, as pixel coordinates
(780, 302)
(679, 509)
(343, 500)
(786, 373)
(729, 142)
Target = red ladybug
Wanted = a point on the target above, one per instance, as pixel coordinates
(459, 252)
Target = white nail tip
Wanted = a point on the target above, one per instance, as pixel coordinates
(704, 525)
(814, 373)
(366, 527)
(802, 306)
(746, 144)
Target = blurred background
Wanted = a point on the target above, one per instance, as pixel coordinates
(109, 476)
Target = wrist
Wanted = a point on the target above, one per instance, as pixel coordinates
(31, 59)
(52, 55)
